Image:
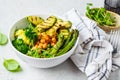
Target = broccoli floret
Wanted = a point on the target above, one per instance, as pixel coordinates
(20, 45)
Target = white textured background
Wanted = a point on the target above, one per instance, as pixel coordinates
(13, 10)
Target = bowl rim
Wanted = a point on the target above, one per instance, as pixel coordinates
(30, 57)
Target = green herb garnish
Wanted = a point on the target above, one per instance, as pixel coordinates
(31, 35)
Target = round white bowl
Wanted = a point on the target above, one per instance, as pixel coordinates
(38, 62)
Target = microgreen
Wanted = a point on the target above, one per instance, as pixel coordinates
(100, 15)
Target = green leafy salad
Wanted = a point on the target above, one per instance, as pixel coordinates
(100, 15)
(45, 38)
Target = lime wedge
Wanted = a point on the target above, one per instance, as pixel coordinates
(3, 39)
(11, 65)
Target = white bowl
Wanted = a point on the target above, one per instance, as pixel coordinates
(38, 62)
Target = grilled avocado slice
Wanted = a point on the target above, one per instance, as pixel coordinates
(65, 32)
(67, 24)
(64, 24)
(35, 20)
(53, 30)
(48, 23)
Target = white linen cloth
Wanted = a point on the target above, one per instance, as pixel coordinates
(93, 55)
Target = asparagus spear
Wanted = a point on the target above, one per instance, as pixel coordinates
(58, 44)
(68, 39)
(70, 44)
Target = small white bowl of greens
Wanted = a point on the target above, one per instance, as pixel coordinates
(43, 41)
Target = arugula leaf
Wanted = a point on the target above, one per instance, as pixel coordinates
(3, 39)
(11, 65)
(88, 6)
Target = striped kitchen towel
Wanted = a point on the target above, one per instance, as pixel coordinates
(93, 55)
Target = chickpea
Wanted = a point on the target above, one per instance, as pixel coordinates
(40, 45)
(47, 38)
(42, 40)
(54, 40)
(45, 45)
(52, 44)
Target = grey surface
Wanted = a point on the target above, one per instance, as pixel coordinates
(13, 10)
(113, 3)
